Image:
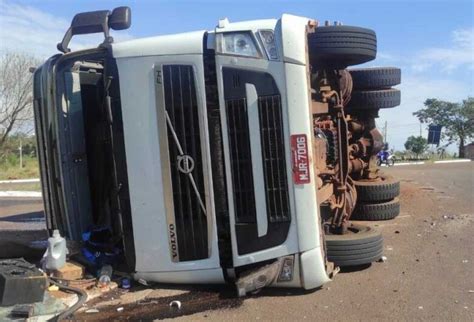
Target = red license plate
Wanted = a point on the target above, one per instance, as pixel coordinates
(299, 151)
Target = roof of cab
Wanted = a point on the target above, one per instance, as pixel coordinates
(181, 44)
(177, 44)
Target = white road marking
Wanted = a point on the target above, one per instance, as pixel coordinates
(453, 161)
(441, 161)
(21, 194)
(408, 163)
(20, 181)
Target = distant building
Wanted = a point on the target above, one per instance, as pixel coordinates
(469, 151)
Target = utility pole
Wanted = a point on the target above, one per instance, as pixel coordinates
(21, 154)
(420, 129)
(385, 132)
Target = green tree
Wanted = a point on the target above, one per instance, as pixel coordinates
(416, 144)
(457, 119)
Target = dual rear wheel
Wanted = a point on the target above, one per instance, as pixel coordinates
(377, 199)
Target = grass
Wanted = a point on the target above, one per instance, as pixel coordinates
(10, 168)
(36, 186)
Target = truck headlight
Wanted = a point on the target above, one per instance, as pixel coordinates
(268, 40)
(286, 270)
(237, 43)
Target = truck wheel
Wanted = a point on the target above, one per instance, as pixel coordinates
(386, 188)
(375, 78)
(360, 245)
(369, 100)
(336, 47)
(376, 211)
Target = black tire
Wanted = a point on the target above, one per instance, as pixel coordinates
(362, 245)
(337, 47)
(376, 211)
(384, 189)
(370, 100)
(375, 78)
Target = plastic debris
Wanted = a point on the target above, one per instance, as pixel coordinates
(105, 275)
(92, 311)
(125, 283)
(382, 259)
(176, 304)
(470, 291)
(420, 307)
(53, 288)
(55, 256)
(120, 309)
(143, 282)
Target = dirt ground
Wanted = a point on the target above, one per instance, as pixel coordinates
(428, 275)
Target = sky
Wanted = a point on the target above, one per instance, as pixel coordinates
(431, 41)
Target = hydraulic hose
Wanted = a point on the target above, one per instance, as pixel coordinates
(82, 295)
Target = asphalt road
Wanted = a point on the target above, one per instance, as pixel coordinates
(428, 275)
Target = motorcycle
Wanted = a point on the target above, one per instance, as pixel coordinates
(385, 157)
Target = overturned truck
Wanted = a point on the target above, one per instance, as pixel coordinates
(212, 156)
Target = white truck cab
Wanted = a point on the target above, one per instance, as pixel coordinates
(196, 151)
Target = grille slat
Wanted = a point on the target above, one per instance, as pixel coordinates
(181, 106)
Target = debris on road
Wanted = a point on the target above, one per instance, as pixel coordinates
(176, 304)
(449, 217)
(70, 271)
(120, 309)
(143, 282)
(382, 259)
(92, 311)
(53, 288)
(126, 283)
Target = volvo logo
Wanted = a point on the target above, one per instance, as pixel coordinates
(173, 242)
(185, 163)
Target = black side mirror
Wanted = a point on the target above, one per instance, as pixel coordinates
(121, 18)
(90, 22)
(97, 21)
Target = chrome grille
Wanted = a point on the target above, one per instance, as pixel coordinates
(184, 138)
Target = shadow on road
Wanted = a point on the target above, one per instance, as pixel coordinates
(25, 217)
